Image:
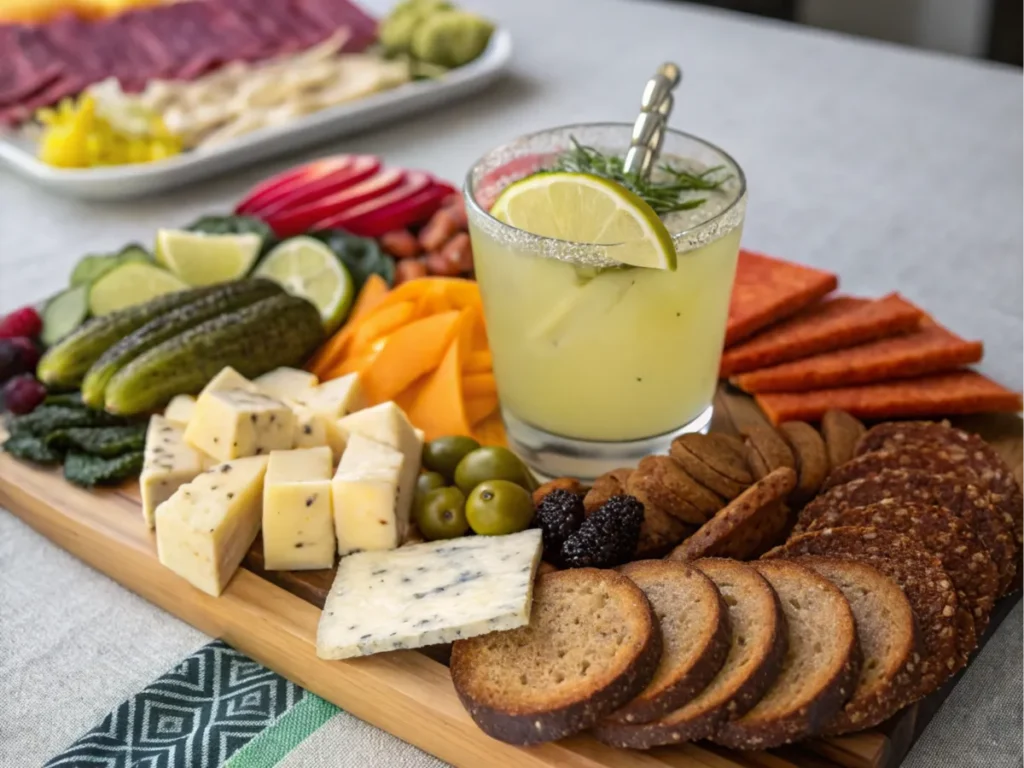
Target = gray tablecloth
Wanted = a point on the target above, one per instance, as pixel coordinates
(896, 168)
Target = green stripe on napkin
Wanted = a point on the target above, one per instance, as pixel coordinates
(270, 747)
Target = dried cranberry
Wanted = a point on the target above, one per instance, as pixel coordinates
(21, 322)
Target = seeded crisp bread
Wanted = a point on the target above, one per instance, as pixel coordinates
(925, 583)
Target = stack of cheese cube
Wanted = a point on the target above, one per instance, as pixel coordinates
(246, 455)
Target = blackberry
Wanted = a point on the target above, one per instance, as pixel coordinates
(608, 537)
(559, 514)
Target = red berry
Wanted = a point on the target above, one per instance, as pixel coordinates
(28, 351)
(21, 322)
(23, 393)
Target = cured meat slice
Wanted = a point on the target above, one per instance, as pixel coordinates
(768, 290)
(823, 327)
(336, 14)
(26, 66)
(930, 349)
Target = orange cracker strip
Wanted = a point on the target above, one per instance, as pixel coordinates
(930, 349)
(767, 290)
(823, 327)
(941, 394)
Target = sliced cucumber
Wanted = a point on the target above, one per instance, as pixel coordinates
(64, 313)
(129, 284)
(91, 268)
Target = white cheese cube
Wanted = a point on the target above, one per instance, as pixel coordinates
(313, 429)
(298, 528)
(365, 492)
(232, 423)
(335, 398)
(179, 410)
(204, 530)
(430, 593)
(168, 463)
(229, 378)
(387, 423)
(286, 383)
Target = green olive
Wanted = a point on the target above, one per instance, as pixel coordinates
(499, 507)
(490, 463)
(442, 515)
(425, 483)
(444, 454)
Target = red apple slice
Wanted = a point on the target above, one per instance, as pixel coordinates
(402, 214)
(286, 179)
(303, 217)
(305, 190)
(415, 183)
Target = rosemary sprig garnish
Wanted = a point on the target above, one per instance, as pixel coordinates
(664, 196)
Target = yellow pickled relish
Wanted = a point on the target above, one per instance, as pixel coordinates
(75, 136)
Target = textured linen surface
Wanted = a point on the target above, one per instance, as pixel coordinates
(896, 168)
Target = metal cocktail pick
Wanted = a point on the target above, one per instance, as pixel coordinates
(649, 128)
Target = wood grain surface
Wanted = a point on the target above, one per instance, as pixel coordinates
(272, 617)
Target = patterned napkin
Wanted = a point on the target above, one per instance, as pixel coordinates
(216, 708)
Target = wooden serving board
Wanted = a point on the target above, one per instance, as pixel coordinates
(273, 617)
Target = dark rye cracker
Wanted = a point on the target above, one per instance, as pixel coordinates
(939, 460)
(944, 535)
(920, 575)
(749, 525)
(714, 462)
(961, 446)
(811, 455)
(759, 639)
(841, 432)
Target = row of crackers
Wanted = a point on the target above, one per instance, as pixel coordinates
(802, 350)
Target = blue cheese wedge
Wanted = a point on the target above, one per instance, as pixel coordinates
(233, 423)
(168, 463)
(204, 530)
(298, 528)
(426, 594)
(286, 383)
(387, 424)
(365, 492)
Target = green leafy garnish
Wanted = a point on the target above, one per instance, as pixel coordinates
(665, 195)
(87, 470)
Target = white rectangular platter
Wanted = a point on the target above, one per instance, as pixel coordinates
(120, 182)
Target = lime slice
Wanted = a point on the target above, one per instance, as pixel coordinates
(588, 209)
(308, 268)
(201, 259)
(130, 284)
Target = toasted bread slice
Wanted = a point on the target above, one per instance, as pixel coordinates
(889, 642)
(592, 644)
(821, 666)
(694, 634)
(757, 645)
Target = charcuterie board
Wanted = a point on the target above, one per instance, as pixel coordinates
(273, 618)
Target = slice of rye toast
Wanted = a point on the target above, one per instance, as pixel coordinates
(971, 450)
(920, 575)
(888, 638)
(757, 646)
(593, 644)
(937, 459)
(944, 535)
(964, 500)
(820, 670)
(695, 635)
(748, 525)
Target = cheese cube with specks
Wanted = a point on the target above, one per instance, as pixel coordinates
(204, 530)
(179, 410)
(298, 528)
(365, 491)
(233, 423)
(168, 463)
(427, 594)
(286, 383)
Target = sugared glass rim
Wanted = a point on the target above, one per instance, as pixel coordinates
(681, 235)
